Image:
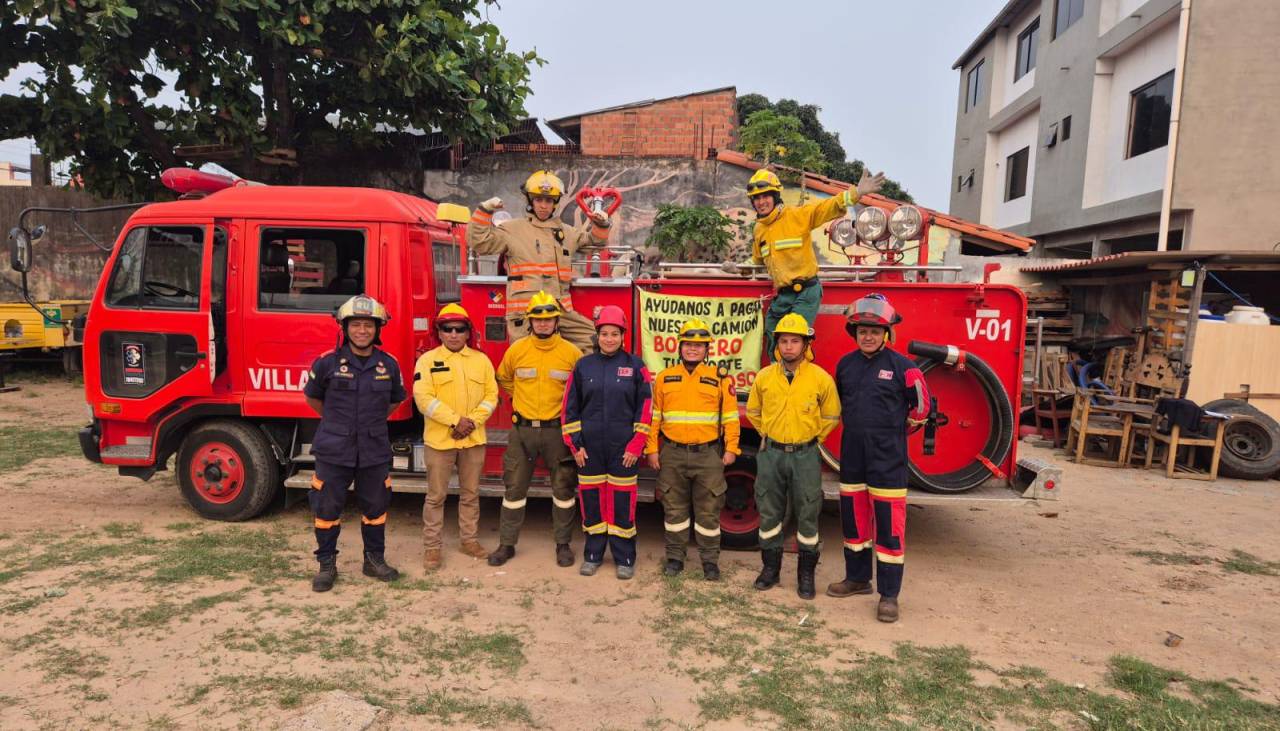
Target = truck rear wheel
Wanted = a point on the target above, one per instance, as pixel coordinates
(740, 520)
(226, 470)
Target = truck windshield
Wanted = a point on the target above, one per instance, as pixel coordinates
(158, 268)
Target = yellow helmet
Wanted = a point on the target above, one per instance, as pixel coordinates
(793, 323)
(764, 181)
(362, 305)
(542, 306)
(452, 312)
(694, 331)
(544, 182)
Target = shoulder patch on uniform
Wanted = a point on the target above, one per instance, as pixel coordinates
(626, 371)
(672, 379)
(709, 381)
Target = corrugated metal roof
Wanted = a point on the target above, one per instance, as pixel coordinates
(831, 186)
(1145, 259)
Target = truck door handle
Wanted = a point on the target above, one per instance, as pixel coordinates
(190, 354)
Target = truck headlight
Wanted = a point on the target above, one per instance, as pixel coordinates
(906, 222)
(872, 224)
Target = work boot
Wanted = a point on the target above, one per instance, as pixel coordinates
(589, 568)
(805, 566)
(710, 571)
(771, 573)
(842, 589)
(431, 559)
(564, 555)
(501, 555)
(672, 567)
(626, 572)
(327, 574)
(376, 567)
(887, 611)
(473, 549)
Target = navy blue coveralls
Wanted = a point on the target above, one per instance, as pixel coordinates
(608, 409)
(877, 395)
(352, 443)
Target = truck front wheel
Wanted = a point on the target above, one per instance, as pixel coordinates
(226, 470)
(739, 520)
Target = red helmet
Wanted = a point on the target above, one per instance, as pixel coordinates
(874, 309)
(612, 315)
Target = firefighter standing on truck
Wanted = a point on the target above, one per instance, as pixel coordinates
(455, 390)
(781, 242)
(534, 370)
(539, 251)
(695, 412)
(353, 389)
(608, 407)
(882, 393)
(794, 406)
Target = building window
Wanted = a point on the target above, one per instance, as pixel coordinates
(974, 88)
(1149, 110)
(1068, 12)
(1015, 182)
(1027, 42)
(1066, 128)
(309, 269)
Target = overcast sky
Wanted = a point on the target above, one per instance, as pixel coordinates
(880, 71)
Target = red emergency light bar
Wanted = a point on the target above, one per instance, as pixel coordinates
(186, 180)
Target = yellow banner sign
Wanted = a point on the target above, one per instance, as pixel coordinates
(736, 328)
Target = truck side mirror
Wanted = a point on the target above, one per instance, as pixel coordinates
(19, 249)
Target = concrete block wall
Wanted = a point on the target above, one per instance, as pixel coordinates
(680, 127)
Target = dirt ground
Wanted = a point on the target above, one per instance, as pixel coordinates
(119, 607)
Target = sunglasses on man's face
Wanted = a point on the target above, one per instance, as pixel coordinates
(455, 329)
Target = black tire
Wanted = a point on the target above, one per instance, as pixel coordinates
(237, 475)
(1251, 444)
(739, 507)
(72, 361)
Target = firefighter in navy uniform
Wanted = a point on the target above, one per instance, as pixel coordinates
(882, 392)
(354, 389)
(695, 412)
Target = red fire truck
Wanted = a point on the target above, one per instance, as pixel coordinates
(211, 308)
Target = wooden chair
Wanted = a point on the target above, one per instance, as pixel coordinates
(1182, 465)
(1046, 401)
(1100, 416)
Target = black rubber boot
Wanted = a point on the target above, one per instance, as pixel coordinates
(771, 573)
(807, 564)
(327, 574)
(376, 567)
(501, 555)
(672, 567)
(710, 571)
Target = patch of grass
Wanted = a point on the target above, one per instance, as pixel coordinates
(161, 723)
(485, 714)
(288, 691)
(500, 651)
(220, 554)
(432, 584)
(1247, 563)
(183, 527)
(1160, 558)
(21, 445)
(22, 605)
(122, 530)
(64, 662)
(87, 549)
(162, 613)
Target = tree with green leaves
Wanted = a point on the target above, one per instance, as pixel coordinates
(693, 233)
(269, 89)
(828, 143)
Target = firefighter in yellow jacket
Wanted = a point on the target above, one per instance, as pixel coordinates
(534, 371)
(781, 242)
(454, 388)
(695, 412)
(539, 249)
(793, 405)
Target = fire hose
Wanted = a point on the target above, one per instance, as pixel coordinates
(1000, 440)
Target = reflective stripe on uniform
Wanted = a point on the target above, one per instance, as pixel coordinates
(676, 527)
(562, 503)
(622, 532)
(622, 481)
(849, 197)
(640, 428)
(691, 417)
(482, 217)
(708, 532)
(849, 488)
(771, 532)
(888, 492)
(855, 546)
(783, 244)
(884, 556)
(764, 249)
(323, 524)
(316, 483)
(487, 406)
(514, 504)
(380, 520)
(590, 479)
(596, 529)
(572, 427)
(807, 540)
(535, 268)
(433, 407)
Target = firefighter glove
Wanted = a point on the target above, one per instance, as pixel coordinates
(600, 218)
(869, 183)
(492, 204)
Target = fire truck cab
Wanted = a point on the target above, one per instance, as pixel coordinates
(211, 309)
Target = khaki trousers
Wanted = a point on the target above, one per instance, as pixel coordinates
(441, 463)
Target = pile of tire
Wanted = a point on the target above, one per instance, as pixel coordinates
(1251, 444)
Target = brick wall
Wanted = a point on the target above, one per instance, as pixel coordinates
(681, 127)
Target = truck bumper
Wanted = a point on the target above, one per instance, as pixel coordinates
(89, 437)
